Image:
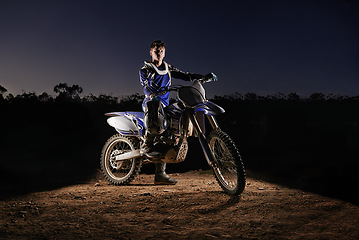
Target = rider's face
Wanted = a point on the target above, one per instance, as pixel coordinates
(157, 53)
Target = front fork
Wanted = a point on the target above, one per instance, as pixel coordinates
(198, 125)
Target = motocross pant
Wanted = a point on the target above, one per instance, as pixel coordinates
(154, 116)
(154, 119)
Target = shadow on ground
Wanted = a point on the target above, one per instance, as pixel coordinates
(323, 176)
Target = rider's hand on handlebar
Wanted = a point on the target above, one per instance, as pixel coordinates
(210, 77)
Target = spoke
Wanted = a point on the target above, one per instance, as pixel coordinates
(123, 167)
(226, 169)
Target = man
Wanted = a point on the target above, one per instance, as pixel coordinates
(154, 76)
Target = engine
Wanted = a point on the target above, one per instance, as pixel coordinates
(177, 153)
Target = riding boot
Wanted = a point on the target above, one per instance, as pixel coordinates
(161, 178)
(147, 146)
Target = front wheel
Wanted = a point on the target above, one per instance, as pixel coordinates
(119, 172)
(228, 167)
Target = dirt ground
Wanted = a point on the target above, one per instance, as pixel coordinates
(195, 208)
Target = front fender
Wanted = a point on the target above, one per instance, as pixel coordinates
(209, 108)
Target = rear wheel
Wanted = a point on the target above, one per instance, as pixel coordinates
(119, 172)
(228, 167)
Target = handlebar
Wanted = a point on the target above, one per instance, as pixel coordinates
(210, 77)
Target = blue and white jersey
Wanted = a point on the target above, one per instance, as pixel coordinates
(153, 78)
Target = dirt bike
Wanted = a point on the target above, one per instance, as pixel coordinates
(122, 158)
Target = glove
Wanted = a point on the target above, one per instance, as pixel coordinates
(210, 77)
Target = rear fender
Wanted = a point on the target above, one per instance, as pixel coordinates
(126, 123)
(209, 108)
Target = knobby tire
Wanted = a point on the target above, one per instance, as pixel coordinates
(228, 168)
(131, 167)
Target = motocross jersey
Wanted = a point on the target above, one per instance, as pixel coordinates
(154, 78)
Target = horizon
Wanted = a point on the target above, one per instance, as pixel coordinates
(279, 95)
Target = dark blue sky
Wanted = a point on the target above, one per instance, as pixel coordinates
(264, 47)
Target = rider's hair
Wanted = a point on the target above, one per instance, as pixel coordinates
(158, 44)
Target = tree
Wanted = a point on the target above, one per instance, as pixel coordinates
(317, 97)
(251, 97)
(293, 96)
(44, 97)
(66, 92)
(2, 91)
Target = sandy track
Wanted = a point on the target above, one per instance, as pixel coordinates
(195, 208)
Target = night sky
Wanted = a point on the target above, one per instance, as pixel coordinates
(263, 47)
